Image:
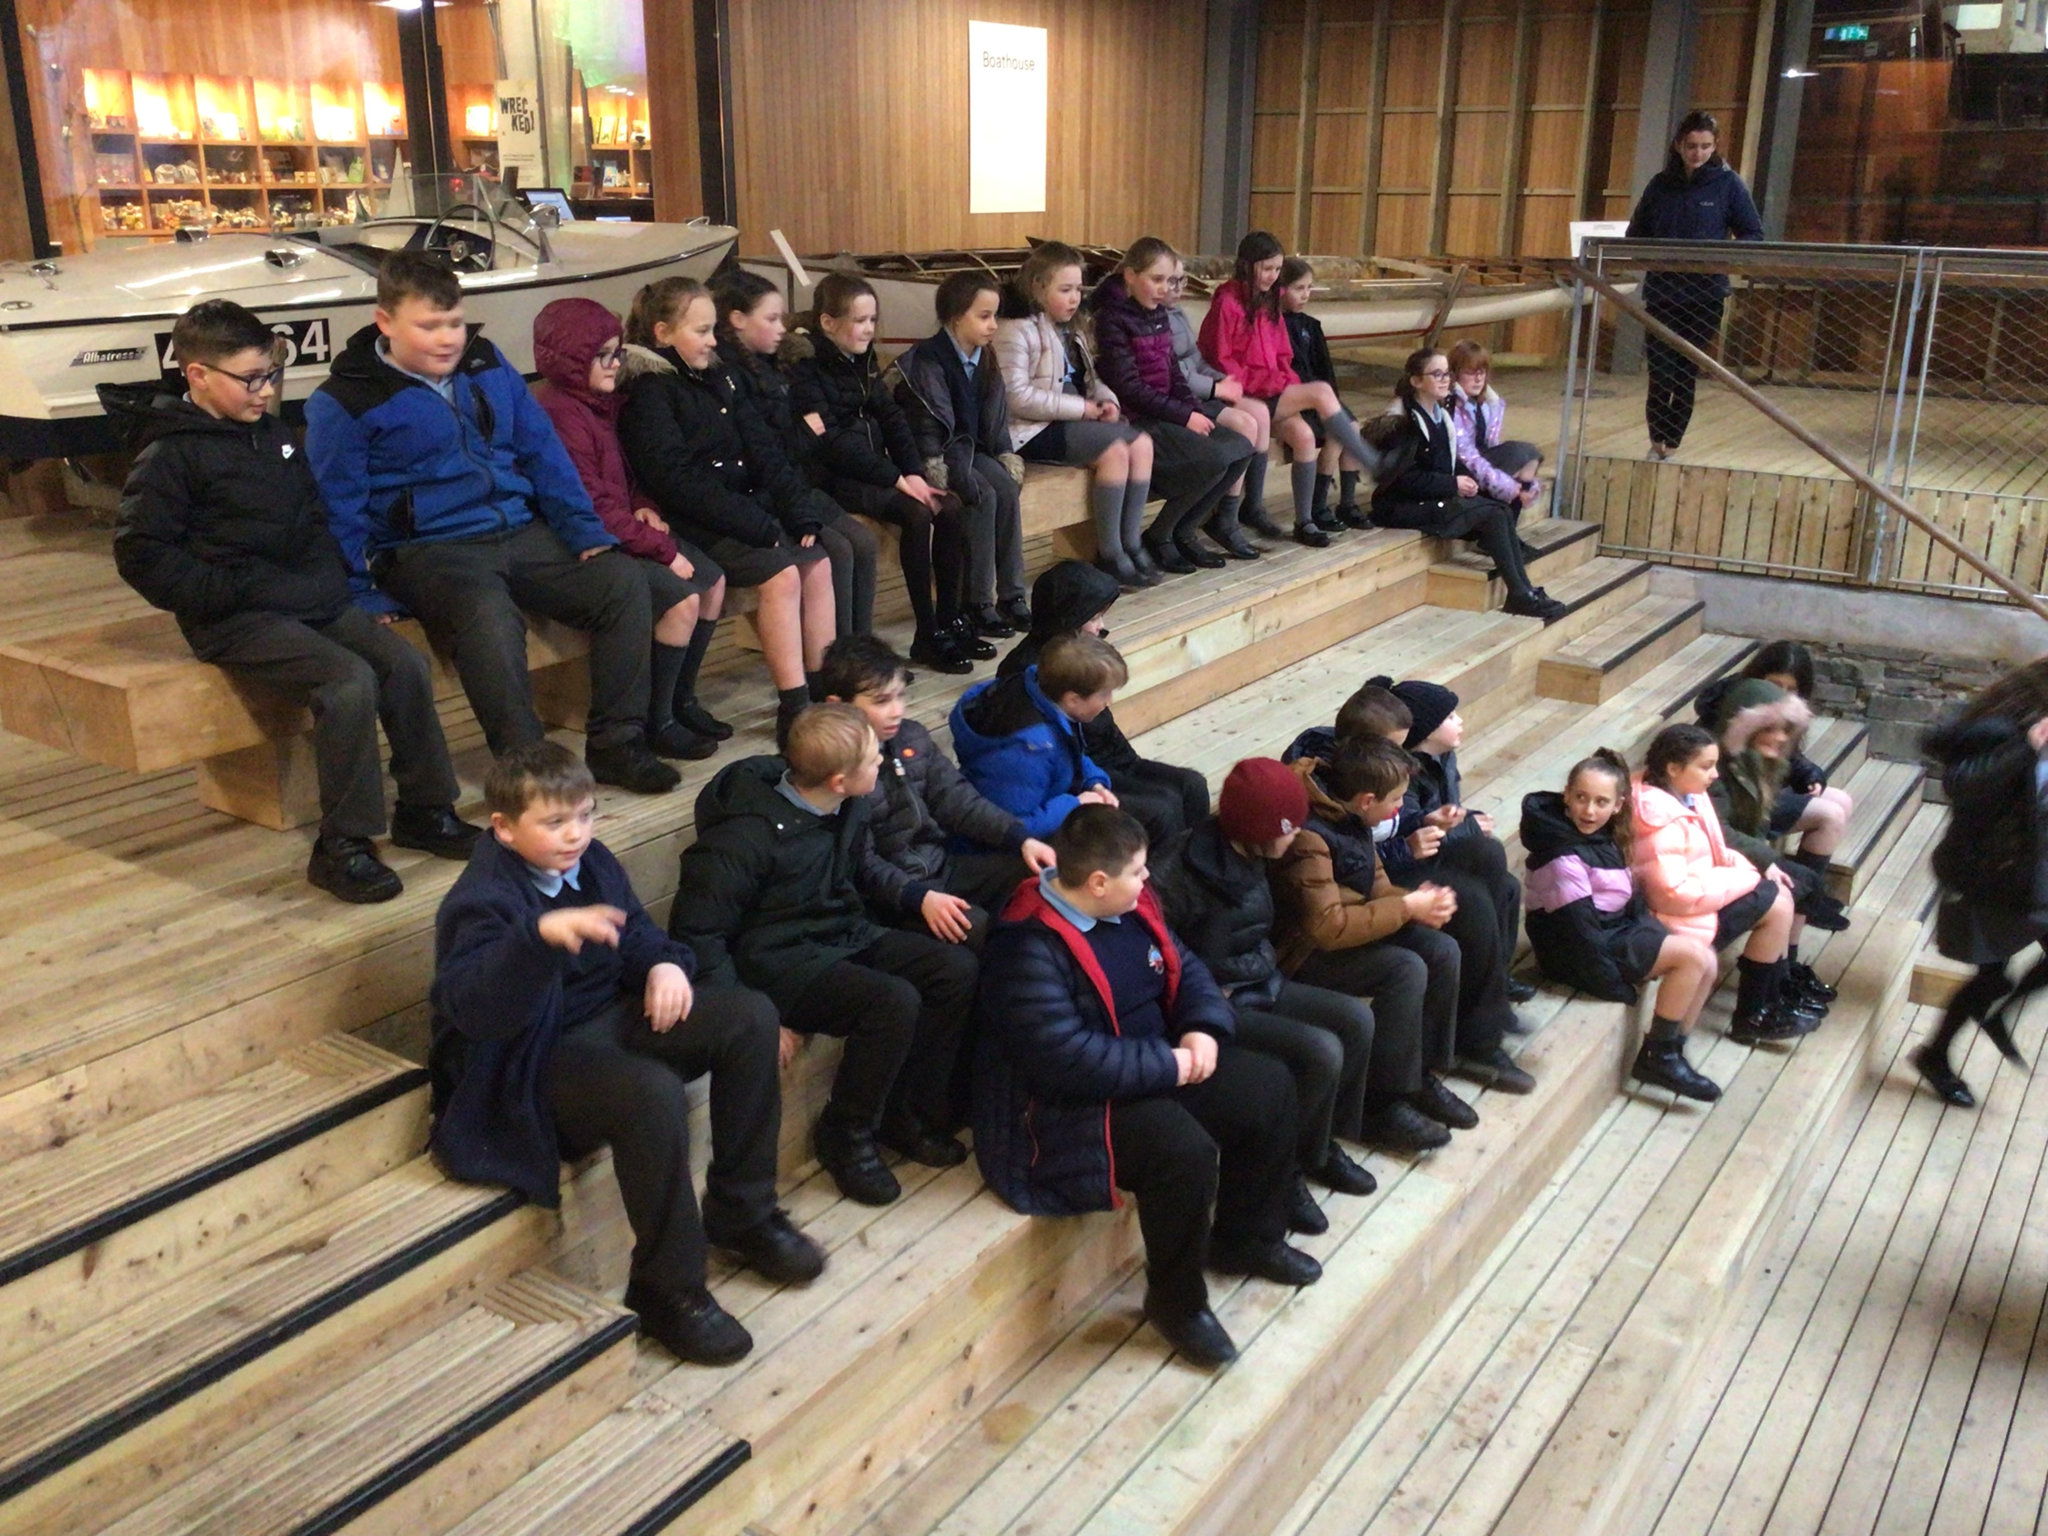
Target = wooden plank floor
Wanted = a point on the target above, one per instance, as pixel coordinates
(1445, 1448)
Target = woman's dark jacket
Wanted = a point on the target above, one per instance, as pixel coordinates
(921, 802)
(498, 1011)
(220, 518)
(708, 460)
(1992, 861)
(1219, 902)
(1587, 922)
(1050, 1059)
(1710, 204)
(952, 416)
(769, 890)
(866, 436)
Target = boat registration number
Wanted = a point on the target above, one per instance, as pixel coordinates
(305, 341)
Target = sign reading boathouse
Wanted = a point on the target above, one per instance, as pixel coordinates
(1006, 69)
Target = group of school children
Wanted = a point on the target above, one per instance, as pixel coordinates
(1053, 940)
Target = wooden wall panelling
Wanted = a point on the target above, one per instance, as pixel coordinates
(1276, 118)
(670, 28)
(1375, 110)
(1342, 130)
(1448, 56)
(1305, 118)
(1721, 72)
(1514, 173)
(851, 121)
(1627, 35)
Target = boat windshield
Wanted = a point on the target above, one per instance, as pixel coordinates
(470, 220)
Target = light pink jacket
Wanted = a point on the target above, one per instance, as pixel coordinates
(1685, 868)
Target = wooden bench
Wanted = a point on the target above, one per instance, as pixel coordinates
(129, 694)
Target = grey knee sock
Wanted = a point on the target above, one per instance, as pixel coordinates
(1344, 428)
(1304, 492)
(661, 691)
(1223, 521)
(1347, 487)
(693, 662)
(1136, 493)
(1255, 483)
(1106, 511)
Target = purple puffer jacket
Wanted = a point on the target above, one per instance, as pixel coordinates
(1478, 426)
(1134, 354)
(567, 336)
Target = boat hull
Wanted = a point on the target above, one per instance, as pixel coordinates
(55, 353)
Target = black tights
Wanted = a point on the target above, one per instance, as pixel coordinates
(933, 548)
(1495, 533)
(1991, 1000)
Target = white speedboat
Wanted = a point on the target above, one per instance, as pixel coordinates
(70, 325)
(1358, 299)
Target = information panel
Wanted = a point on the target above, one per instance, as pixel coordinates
(1006, 68)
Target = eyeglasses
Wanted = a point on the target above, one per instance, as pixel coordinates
(1436, 373)
(610, 357)
(255, 383)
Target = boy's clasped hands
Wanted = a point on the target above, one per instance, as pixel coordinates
(669, 994)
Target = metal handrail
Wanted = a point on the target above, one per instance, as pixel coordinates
(1713, 368)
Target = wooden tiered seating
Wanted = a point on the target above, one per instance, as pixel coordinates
(238, 1299)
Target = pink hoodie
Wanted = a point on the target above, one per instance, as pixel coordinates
(1686, 870)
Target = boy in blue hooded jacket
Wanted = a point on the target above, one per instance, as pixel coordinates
(1018, 738)
(453, 499)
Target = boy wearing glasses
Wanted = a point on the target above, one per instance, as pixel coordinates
(222, 524)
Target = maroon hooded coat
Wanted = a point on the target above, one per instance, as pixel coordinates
(567, 336)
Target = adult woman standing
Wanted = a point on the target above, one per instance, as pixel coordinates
(1697, 196)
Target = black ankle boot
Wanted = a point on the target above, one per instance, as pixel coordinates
(1662, 1064)
(1760, 1012)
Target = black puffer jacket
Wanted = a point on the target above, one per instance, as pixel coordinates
(866, 437)
(1311, 350)
(707, 458)
(920, 801)
(1992, 861)
(221, 517)
(933, 386)
(1066, 596)
(1711, 203)
(1425, 486)
(770, 893)
(1219, 903)
(763, 383)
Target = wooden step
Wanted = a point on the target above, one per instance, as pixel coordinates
(1464, 578)
(1937, 979)
(87, 1227)
(424, 1436)
(1613, 654)
(1886, 794)
(188, 1371)
(636, 1470)
(1839, 746)
(1604, 1445)
(1105, 1434)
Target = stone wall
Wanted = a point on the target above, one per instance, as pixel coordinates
(1898, 692)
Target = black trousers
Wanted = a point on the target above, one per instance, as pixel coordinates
(1476, 861)
(1413, 990)
(352, 672)
(932, 550)
(1668, 406)
(468, 593)
(901, 1005)
(1166, 798)
(616, 1081)
(1228, 1142)
(1325, 1038)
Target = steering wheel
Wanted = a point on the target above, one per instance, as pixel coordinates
(465, 253)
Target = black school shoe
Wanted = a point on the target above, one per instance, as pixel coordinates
(984, 620)
(631, 767)
(1167, 558)
(1303, 1214)
(1946, 1082)
(1341, 1173)
(1262, 525)
(1443, 1106)
(677, 740)
(1495, 1069)
(696, 717)
(1520, 991)
(1018, 611)
(774, 1249)
(1274, 1261)
(967, 642)
(1534, 605)
(1197, 556)
(348, 868)
(853, 1159)
(1351, 517)
(434, 829)
(1197, 1335)
(693, 1327)
(1662, 1064)
(1398, 1126)
(937, 651)
(1759, 1025)
(1311, 535)
(906, 1138)
(1328, 521)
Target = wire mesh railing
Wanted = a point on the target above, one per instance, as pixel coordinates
(1925, 369)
